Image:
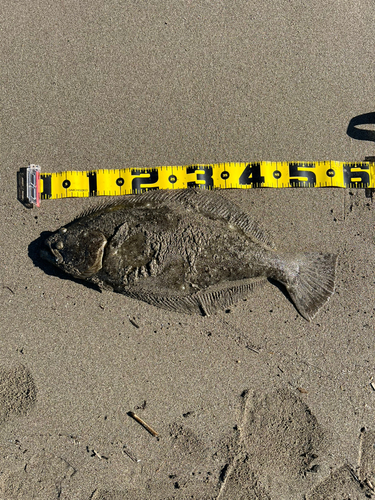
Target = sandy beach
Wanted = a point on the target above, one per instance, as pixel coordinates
(253, 402)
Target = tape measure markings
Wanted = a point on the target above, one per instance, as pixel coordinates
(245, 175)
(240, 175)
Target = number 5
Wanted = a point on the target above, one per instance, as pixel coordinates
(294, 171)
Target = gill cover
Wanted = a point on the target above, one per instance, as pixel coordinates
(76, 251)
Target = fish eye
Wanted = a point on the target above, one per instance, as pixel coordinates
(62, 230)
(59, 245)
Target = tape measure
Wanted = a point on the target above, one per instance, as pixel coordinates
(33, 185)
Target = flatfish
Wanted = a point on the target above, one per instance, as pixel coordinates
(190, 250)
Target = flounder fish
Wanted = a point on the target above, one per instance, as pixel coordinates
(192, 251)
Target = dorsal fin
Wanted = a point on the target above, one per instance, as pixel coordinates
(208, 203)
(103, 206)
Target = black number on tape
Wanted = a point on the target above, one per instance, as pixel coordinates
(294, 171)
(356, 179)
(206, 176)
(251, 175)
(137, 181)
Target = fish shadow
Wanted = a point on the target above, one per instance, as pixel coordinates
(34, 253)
(282, 289)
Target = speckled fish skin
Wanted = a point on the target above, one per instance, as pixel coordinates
(192, 251)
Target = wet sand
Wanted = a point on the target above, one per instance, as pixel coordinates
(253, 402)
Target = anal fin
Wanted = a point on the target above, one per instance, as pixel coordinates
(205, 302)
(220, 297)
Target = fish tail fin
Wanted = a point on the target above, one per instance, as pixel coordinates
(313, 283)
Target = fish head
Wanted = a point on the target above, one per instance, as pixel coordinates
(76, 250)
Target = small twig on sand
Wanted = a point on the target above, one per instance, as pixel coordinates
(94, 453)
(130, 455)
(143, 423)
(133, 323)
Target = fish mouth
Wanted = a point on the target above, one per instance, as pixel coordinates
(51, 255)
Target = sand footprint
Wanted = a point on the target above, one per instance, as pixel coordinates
(280, 440)
(366, 459)
(103, 494)
(193, 469)
(346, 482)
(41, 477)
(241, 483)
(340, 485)
(17, 392)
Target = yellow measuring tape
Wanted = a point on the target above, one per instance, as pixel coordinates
(33, 185)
